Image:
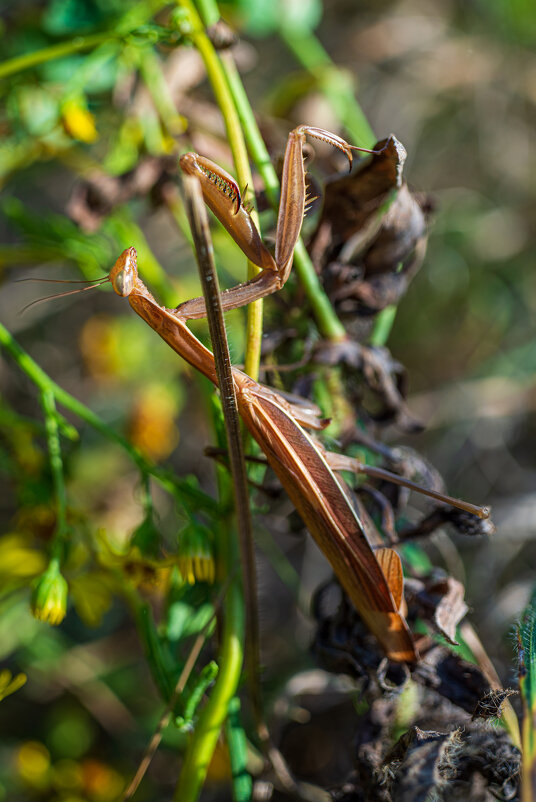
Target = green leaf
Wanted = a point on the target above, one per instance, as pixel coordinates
(186, 619)
(62, 17)
(38, 110)
(264, 17)
(300, 16)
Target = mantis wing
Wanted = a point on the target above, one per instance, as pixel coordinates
(321, 501)
(310, 483)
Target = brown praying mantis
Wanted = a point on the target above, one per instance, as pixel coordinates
(372, 578)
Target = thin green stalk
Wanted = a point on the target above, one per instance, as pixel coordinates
(45, 384)
(230, 658)
(56, 466)
(76, 45)
(328, 322)
(198, 218)
(383, 323)
(336, 84)
(165, 719)
(235, 137)
(137, 15)
(150, 68)
(338, 88)
(208, 11)
(238, 755)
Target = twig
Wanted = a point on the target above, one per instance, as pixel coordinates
(197, 215)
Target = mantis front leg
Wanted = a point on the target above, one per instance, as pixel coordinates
(222, 195)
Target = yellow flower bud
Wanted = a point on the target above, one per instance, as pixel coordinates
(49, 598)
(78, 121)
(195, 558)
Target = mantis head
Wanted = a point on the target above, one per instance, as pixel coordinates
(125, 272)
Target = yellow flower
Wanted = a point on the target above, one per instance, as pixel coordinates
(143, 572)
(101, 347)
(33, 764)
(152, 426)
(49, 598)
(91, 594)
(195, 557)
(17, 558)
(101, 782)
(78, 120)
(9, 684)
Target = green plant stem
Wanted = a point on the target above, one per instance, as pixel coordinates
(383, 323)
(254, 140)
(208, 11)
(132, 19)
(56, 466)
(235, 137)
(230, 658)
(150, 68)
(236, 741)
(338, 87)
(46, 385)
(328, 323)
(336, 84)
(76, 45)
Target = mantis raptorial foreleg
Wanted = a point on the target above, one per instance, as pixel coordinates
(222, 195)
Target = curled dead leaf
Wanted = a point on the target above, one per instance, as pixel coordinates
(371, 237)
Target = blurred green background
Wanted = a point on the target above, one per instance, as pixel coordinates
(456, 83)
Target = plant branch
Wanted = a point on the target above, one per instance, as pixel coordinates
(209, 279)
(76, 45)
(135, 17)
(56, 466)
(230, 657)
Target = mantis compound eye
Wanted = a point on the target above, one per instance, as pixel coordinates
(124, 272)
(123, 284)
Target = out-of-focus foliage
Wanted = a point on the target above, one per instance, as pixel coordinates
(456, 83)
(526, 636)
